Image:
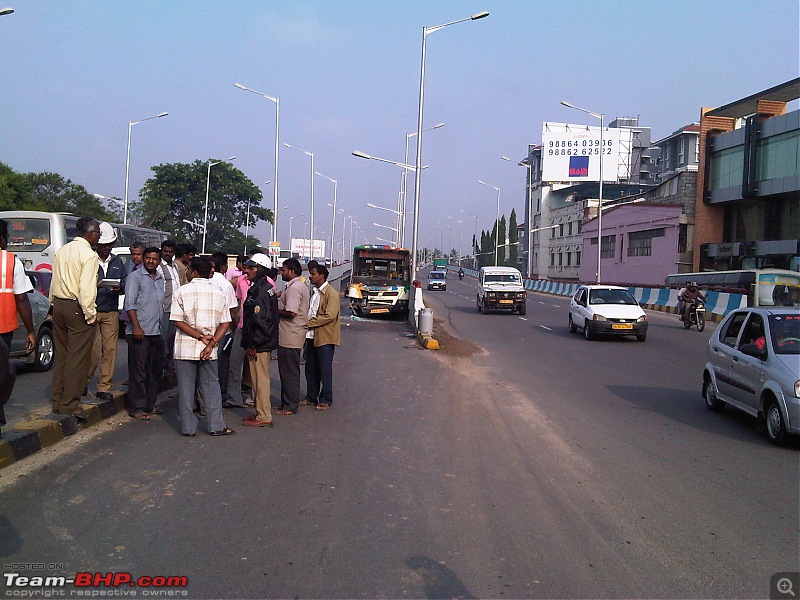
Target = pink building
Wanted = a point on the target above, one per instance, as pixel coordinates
(642, 244)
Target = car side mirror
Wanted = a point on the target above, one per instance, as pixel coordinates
(754, 351)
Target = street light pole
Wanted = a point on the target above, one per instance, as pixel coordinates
(311, 240)
(128, 160)
(277, 102)
(418, 161)
(474, 238)
(497, 223)
(333, 218)
(404, 185)
(528, 166)
(208, 187)
(600, 190)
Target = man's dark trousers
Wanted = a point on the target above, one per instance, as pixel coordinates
(312, 372)
(289, 371)
(145, 364)
(325, 365)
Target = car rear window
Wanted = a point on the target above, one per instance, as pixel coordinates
(785, 333)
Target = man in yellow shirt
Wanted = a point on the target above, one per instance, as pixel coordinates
(73, 294)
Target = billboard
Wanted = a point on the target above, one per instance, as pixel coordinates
(572, 153)
(302, 246)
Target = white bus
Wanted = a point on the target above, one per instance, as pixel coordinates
(763, 287)
(35, 236)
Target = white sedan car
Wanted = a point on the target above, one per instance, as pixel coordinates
(606, 310)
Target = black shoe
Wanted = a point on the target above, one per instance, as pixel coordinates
(104, 395)
(85, 391)
(81, 415)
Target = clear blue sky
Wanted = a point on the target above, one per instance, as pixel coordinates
(73, 73)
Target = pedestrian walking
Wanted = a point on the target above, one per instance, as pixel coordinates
(260, 335)
(325, 327)
(14, 288)
(111, 277)
(293, 311)
(73, 294)
(144, 297)
(201, 314)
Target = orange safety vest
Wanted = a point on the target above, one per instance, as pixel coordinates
(8, 305)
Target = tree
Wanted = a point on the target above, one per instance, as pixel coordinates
(15, 190)
(513, 238)
(53, 193)
(502, 252)
(177, 193)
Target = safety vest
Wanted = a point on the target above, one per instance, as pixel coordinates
(8, 305)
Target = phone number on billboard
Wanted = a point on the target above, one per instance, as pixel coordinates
(578, 148)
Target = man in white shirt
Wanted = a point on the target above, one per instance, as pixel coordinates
(169, 271)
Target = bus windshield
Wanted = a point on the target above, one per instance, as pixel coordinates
(31, 234)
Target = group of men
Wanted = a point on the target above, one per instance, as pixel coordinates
(189, 315)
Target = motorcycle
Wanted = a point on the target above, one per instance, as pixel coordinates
(460, 275)
(695, 315)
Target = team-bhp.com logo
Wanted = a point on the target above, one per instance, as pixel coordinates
(578, 166)
(93, 585)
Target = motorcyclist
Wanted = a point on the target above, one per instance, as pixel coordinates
(688, 296)
(460, 274)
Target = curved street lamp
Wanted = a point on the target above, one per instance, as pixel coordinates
(497, 222)
(208, 186)
(128, 160)
(311, 240)
(277, 102)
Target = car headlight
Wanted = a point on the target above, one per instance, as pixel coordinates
(642, 319)
(520, 294)
(597, 317)
(490, 294)
(797, 389)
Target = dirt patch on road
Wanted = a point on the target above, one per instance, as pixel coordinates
(450, 345)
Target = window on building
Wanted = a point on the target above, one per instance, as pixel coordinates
(640, 243)
(577, 259)
(682, 151)
(683, 236)
(560, 259)
(552, 259)
(608, 245)
(569, 259)
(561, 230)
(553, 233)
(579, 226)
(569, 228)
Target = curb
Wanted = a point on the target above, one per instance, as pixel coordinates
(426, 341)
(28, 437)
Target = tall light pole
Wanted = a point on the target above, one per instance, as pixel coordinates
(474, 238)
(333, 217)
(418, 161)
(460, 238)
(128, 160)
(247, 221)
(497, 222)
(208, 187)
(600, 191)
(523, 163)
(401, 208)
(311, 154)
(277, 102)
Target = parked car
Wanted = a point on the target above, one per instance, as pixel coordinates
(606, 310)
(41, 359)
(41, 280)
(437, 280)
(500, 288)
(753, 364)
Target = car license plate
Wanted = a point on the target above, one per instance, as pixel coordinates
(506, 302)
(622, 326)
(379, 310)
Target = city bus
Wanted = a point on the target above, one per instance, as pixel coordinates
(380, 280)
(762, 287)
(35, 236)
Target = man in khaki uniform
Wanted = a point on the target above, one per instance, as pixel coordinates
(325, 325)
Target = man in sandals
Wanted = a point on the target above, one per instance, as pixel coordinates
(202, 316)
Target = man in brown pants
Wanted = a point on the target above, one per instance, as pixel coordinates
(73, 294)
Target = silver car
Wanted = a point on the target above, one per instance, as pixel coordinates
(41, 359)
(753, 364)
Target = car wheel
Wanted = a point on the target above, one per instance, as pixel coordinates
(478, 302)
(523, 308)
(776, 427)
(713, 403)
(687, 323)
(572, 327)
(485, 307)
(587, 333)
(45, 351)
(641, 337)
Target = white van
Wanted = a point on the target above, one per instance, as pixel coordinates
(500, 288)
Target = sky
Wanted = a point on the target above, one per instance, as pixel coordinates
(73, 74)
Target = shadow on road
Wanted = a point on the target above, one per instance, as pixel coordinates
(438, 580)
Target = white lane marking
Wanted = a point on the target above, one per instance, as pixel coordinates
(523, 318)
(540, 302)
(543, 327)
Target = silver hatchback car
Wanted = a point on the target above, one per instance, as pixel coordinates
(753, 364)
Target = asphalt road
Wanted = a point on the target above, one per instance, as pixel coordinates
(519, 461)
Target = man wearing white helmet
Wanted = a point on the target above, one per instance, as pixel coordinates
(111, 276)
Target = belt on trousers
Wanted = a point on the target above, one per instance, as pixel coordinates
(64, 299)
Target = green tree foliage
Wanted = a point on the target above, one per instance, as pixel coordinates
(503, 249)
(177, 192)
(49, 192)
(513, 238)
